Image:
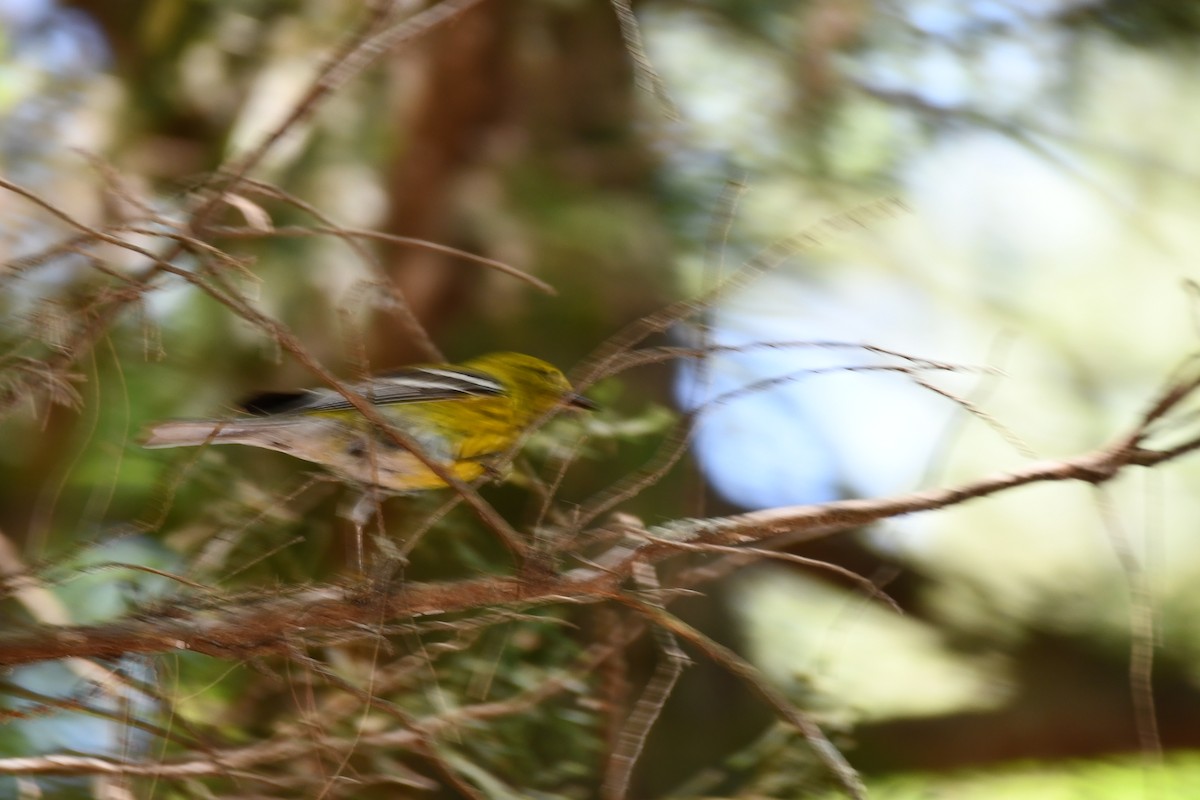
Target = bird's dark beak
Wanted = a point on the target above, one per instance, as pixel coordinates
(579, 401)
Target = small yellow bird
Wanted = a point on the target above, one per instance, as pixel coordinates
(466, 417)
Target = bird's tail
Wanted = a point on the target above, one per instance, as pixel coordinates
(194, 432)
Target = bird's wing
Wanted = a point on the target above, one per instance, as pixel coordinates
(408, 385)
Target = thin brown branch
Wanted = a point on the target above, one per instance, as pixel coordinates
(631, 739)
(240, 627)
(648, 79)
(381, 236)
(825, 751)
(773, 256)
(757, 553)
(1141, 627)
(399, 305)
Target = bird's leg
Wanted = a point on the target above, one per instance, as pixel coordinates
(368, 504)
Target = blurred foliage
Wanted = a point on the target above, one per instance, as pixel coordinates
(1176, 778)
(1146, 24)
